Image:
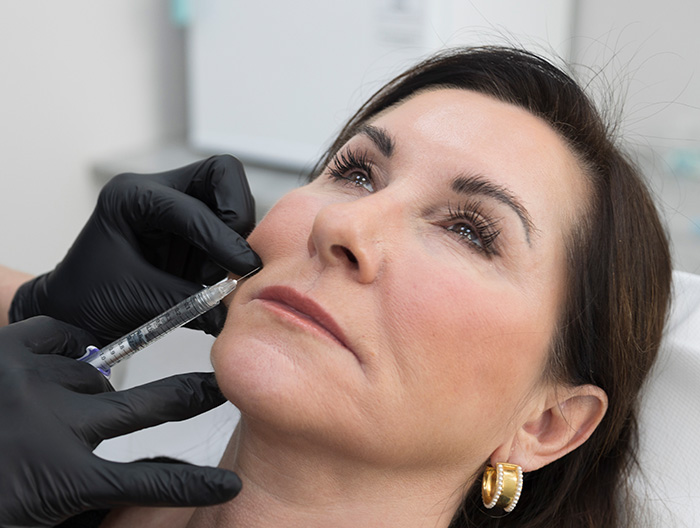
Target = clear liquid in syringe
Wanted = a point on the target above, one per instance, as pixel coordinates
(177, 316)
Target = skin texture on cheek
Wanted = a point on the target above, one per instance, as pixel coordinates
(272, 237)
(440, 349)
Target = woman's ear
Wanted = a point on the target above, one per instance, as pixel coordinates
(565, 421)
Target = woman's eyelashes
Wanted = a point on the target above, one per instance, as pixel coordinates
(467, 222)
(474, 228)
(353, 168)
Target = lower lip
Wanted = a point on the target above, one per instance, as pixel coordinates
(299, 319)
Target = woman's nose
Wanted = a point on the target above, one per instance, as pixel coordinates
(348, 235)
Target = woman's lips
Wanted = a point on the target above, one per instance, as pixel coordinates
(307, 311)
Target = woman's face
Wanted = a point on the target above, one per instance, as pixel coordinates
(410, 293)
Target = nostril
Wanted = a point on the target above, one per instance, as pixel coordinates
(342, 251)
(350, 255)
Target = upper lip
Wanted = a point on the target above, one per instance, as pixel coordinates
(307, 307)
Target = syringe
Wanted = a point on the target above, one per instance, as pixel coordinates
(182, 313)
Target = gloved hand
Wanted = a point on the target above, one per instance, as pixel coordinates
(152, 241)
(56, 410)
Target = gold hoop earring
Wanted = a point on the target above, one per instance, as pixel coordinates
(501, 486)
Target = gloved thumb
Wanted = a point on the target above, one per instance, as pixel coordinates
(44, 335)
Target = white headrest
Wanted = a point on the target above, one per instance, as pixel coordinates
(670, 415)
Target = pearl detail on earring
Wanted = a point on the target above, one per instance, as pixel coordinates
(518, 490)
(504, 477)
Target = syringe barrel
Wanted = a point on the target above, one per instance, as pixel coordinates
(177, 316)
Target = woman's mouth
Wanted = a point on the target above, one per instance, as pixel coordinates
(302, 311)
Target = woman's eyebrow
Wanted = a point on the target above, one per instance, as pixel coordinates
(380, 137)
(478, 185)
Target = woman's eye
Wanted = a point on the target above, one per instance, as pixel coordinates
(352, 168)
(466, 232)
(473, 228)
(360, 180)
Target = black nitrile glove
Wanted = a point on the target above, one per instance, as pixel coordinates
(56, 410)
(152, 241)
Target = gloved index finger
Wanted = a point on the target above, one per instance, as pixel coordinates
(185, 216)
(171, 399)
(220, 182)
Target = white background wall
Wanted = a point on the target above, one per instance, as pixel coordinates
(275, 80)
(79, 80)
(649, 52)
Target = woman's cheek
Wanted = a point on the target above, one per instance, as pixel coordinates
(286, 227)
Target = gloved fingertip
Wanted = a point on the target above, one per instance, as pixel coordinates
(211, 322)
(151, 483)
(239, 257)
(223, 486)
(203, 389)
(211, 386)
(251, 259)
(205, 486)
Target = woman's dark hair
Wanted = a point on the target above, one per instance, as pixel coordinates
(619, 279)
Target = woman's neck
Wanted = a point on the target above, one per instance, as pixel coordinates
(296, 486)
